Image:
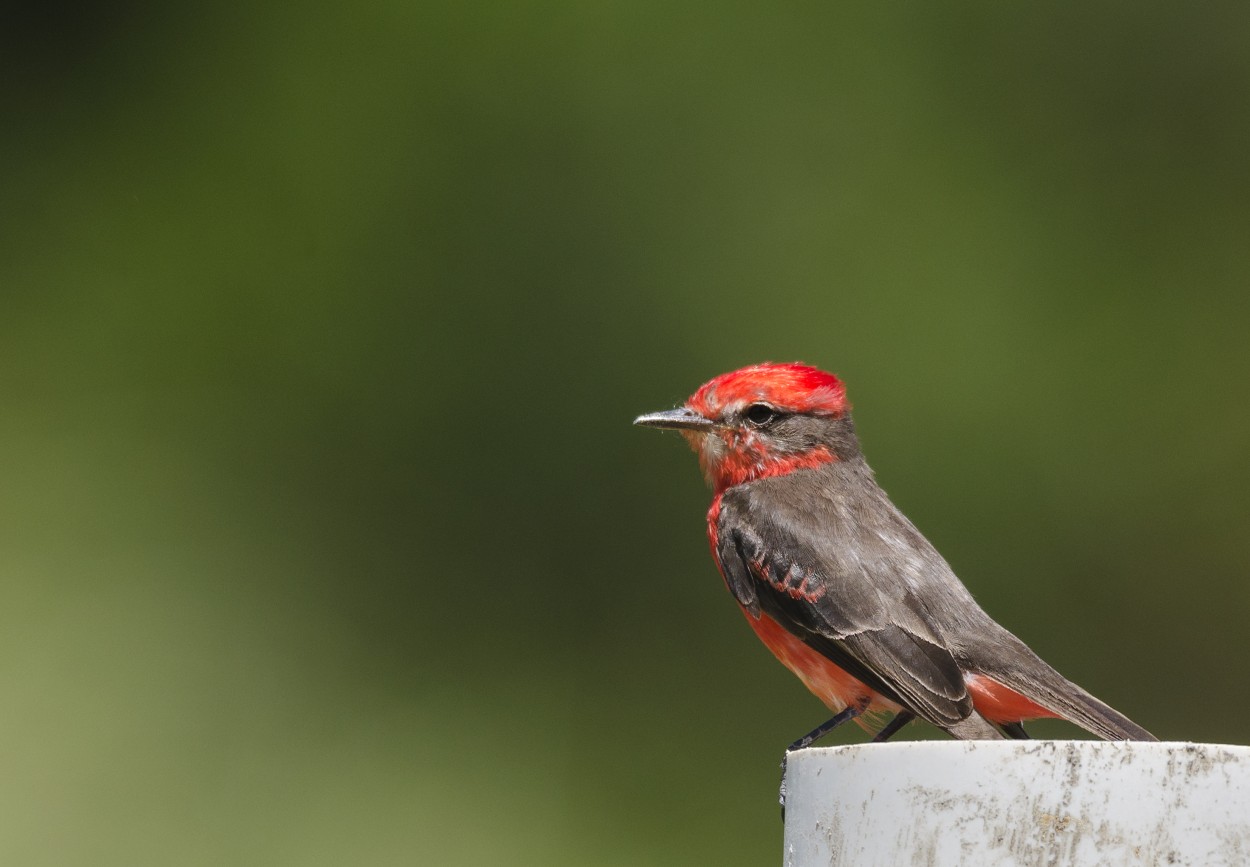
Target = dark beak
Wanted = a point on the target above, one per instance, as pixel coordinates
(675, 419)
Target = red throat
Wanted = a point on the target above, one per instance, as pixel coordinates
(740, 463)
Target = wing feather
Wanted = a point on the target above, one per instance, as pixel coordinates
(856, 613)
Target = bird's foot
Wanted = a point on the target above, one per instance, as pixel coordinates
(902, 718)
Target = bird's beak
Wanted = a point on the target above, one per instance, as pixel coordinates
(676, 419)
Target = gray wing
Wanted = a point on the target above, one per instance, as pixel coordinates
(789, 554)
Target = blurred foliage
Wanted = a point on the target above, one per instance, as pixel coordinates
(324, 535)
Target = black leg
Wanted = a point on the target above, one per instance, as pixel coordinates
(1016, 731)
(824, 728)
(848, 713)
(902, 718)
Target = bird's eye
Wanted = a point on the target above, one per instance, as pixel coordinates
(760, 414)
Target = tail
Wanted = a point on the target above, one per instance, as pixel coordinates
(1013, 665)
(1070, 702)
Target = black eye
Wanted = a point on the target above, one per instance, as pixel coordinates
(760, 414)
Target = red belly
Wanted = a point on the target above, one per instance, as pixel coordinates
(837, 689)
(827, 681)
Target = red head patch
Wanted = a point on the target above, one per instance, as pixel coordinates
(794, 387)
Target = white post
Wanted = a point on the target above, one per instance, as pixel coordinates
(938, 803)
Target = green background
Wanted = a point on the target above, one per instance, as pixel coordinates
(324, 535)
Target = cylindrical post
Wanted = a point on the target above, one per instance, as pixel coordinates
(1010, 803)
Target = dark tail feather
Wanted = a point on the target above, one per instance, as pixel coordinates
(1011, 662)
(1078, 706)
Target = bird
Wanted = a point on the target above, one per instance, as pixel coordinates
(841, 586)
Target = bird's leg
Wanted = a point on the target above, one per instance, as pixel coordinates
(1016, 731)
(848, 713)
(902, 718)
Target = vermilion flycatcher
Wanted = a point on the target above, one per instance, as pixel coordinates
(839, 584)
